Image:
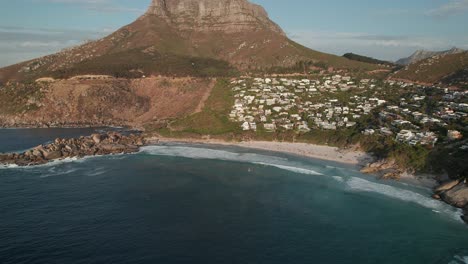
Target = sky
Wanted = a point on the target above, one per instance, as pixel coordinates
(384, 29)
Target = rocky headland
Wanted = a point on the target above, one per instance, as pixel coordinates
(96, 144)
(454, 193)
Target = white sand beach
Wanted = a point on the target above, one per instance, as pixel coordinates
(350, 156)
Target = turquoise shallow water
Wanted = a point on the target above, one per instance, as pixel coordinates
(181, 203)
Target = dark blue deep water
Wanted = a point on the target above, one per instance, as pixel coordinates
(197, 204)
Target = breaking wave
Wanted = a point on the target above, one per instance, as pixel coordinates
(361, 185)
(215, 154)
(350, 183)
(342, 176)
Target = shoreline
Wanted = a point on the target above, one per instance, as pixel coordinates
(326, 153)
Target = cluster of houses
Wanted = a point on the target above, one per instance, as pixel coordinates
(340, 102)
(416, 116)
(300, 104)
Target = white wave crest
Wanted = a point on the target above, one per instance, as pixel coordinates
(339, 179)
(358, 184)
(215, 154)
(8, 166)
(290, 168)
(52, 172)
(463, 259)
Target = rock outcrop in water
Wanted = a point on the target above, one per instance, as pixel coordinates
(385, 169)
(454, 193)
(96, 144)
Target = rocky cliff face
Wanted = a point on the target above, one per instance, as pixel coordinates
(213, 15)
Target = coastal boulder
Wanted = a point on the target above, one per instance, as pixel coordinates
(37, 153)
(97, 138)
(51, 155)
(457, 196)
(446, 186)
(114, 148)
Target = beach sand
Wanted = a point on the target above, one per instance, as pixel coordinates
(352, 157)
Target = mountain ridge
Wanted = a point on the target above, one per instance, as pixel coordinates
(448, 70)
(420, 55)
(362, 58)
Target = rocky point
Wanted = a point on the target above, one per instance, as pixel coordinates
(454, 193)
(96, 144)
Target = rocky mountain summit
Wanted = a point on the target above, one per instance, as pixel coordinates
(213, 15)
(96, 144)
(420, 55)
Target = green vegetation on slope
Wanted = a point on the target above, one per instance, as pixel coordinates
(212, 120)
(356, 57)
(136, 63)
(17, 98)
(434, 70)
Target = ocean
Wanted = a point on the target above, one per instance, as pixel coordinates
(189, 203)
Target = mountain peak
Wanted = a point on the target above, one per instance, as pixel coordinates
(230, 16)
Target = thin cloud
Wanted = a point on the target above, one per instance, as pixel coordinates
(19, 44)
(453, 7)
(99, 6)
(387, 47)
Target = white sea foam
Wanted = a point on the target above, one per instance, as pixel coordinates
(8, 166)
(52, 172)
(215, 154)
(463, 259)
(206, 153)
(290, 168)
(361, 185)
(459, 260)
(96, 172)
(338, 178)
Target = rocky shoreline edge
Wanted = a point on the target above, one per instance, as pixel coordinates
(96, 144)
(453, 192)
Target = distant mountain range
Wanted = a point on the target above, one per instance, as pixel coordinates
(424, 54)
